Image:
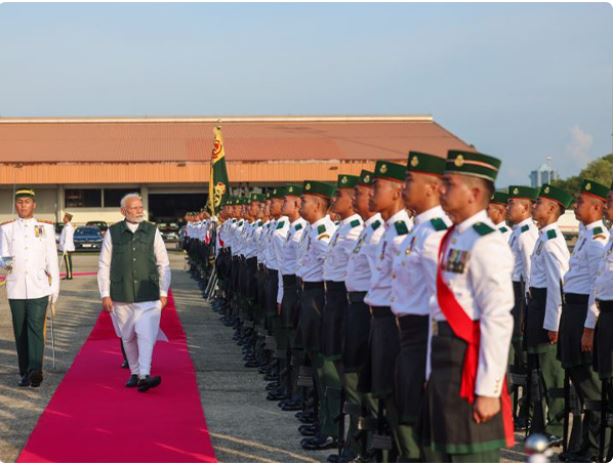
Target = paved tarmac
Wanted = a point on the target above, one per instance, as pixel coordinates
(244, 426)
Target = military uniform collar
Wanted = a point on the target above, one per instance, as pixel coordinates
(593, 225)
(373, 218)
(526, 221)
(399, 215)
(551, 226)
(480, 217)
(501, 224)
(434, 212)
(27, 221)
(321, 221)
(348, 220)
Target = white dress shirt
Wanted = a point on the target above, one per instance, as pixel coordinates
(32, 245)
(340, 248)
(477, 269)
(522, 242)
(313, 256)
(160, 253)
(548, 265)
(379, 293)
(363, 257)
(603, 285)
(66, 238)
(586, 258)
(414, 268)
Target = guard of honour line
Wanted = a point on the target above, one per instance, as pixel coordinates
(409, 313)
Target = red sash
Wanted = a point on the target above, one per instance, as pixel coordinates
(469, 331)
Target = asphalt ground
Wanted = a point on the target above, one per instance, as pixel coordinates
(244, 426)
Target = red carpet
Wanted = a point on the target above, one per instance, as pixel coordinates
(92, 417)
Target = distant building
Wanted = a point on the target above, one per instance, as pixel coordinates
(544, 175)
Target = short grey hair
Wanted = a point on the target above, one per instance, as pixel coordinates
(130, 196)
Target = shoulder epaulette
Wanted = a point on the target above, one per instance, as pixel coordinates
(355, 223)
(280, 225)
(5, 222)
(503, 229)
(298, 227)
(482, 229)
(241, 223)
(44, 221)
(551, 234)
(438, 224)
(260, 223)
(375, 225)
(524, 229)
(597, 230)
(321, 229)
(401, 227)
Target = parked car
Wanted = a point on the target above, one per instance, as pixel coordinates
(88, 238)
(169, 231)
(101, 225)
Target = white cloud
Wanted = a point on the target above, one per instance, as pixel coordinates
(578, 148)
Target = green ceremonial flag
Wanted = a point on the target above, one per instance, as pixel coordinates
(219, 182)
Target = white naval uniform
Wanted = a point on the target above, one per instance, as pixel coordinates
(548, 264)
(288, 263)
(603, 284)
(310, 266)
(585, 259)
(66, 238)
(522, 242)
(362, 260)
(340, 248)
(138, 324)
(504, 229)
(35, 272)
(396, 229)
(477, 269)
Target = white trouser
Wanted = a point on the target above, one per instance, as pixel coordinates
(138, 325)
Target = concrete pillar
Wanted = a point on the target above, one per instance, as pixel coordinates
(59, 203)
(145, 195)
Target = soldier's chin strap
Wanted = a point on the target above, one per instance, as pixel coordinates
(470, 332)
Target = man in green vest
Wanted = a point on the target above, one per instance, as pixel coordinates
(133, 280)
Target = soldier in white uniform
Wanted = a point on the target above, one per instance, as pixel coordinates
(133, 281)
(28, 248)
(413, 289)
(315, 204)
(67, 245)
(384, 344)
(497, 211)
(583, 267)
(522, 242)
(548, 265)
(466, 416)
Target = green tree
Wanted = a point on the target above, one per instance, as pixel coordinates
(599, 170)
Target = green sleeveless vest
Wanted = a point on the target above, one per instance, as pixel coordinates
(134, 275)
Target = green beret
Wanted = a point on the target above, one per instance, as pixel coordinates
(25, 193)
(523, 192)
(556, 194)
(365, 178)
(472, 164)
(292, 189)
(257, 197)
(319, 188)
(499, 198)
(346, 181)
(277, 193)
(594, 188)
(425, 163)
(387, 170)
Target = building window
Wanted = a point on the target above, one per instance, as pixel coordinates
(82, 198)
(114, 196)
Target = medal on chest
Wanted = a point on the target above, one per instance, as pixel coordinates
(456, 261)
(538, 249)
(39, 231)
(360, 243)
(383, 250)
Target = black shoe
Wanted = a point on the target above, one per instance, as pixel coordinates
(24, 382)
(124, 364)
(276, 395)
(148, 382)
(291, 406)
(133, 381)
(319, 442)
(341, 458)
(308, 429)
(36, 378)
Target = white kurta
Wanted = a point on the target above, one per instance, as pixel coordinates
(138, 324)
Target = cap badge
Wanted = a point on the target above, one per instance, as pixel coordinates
(546, 190)
(383, 169)
(588, 186)
(516, 191)
(459, 161)
(308, 186)
(414, 161)
(344, 180)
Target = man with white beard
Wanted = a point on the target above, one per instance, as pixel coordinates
(133, 280)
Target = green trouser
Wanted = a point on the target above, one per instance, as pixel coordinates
(408, 442)
(359, 400)
(553, 375)
(29, 328)
(328, 389)
(588, 387)
(68, 263)
(484, 456)
(517, 360)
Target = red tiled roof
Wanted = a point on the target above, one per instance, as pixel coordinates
(246, 139)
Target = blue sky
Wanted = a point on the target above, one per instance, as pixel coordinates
(519, 81)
